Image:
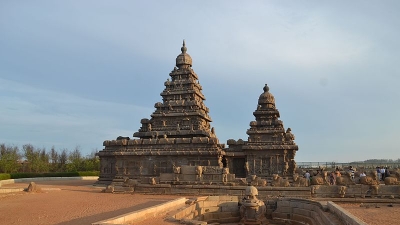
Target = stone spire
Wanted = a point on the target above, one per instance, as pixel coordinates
(183, 60)
(267, 128)
(270, 149)
(182, 112)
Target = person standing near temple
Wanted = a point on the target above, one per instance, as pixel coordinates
(383, 173)
(378, 171)
(351, 172)
(307, 176)
(332, 178)
(387, 172)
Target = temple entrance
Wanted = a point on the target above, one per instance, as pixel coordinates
(238, 167)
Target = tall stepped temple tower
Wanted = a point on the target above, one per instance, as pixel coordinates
(178, 139)
(269, 149)
(178, 133)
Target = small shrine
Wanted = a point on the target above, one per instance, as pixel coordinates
(269, 149)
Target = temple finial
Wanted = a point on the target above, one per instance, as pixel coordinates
(184, 49)
(266, 88)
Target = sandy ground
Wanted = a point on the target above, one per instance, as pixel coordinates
(370, 214)
(76, 203)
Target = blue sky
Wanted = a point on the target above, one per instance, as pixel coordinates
(80, 72)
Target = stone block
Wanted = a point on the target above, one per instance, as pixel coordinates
(187, 177)
(183, 140)
(146, 141)
(211, 203)
(295, 204)
(217, 177)
(207, 217)
(230, 219)
(166, 177)
(231, 177)
(284, 209)
(308, 206)
(213, 198)
(228, 198)
(210, 209)
(300, 218)
(134, 142)
(188, 169)
(212, 170)
(235, 192)
(227, 204)
(230, 207)
(302, 212)
(283, 203)
(200, 140)
(207, 177)
(282, 215)
(206, 191)
(199, 204)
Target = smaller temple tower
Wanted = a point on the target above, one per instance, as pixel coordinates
(269, 148)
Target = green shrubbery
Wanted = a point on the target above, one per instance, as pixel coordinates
(5, 176)
(32, 161)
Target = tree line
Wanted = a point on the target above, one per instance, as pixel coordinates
(30, 159)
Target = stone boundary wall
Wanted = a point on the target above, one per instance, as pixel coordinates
(346, 217)
(144, 213)
(218, 190)
(21, 180)
(211, 209)
(302, 211)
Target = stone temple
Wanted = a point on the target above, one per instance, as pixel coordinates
(178, 144)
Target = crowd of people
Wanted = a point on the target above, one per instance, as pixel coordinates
(333, 175)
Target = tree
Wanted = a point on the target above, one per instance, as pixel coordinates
(62, 160)
(75, 160)
(9, 159)
(37, 159)
(54, 160)
(91, 162)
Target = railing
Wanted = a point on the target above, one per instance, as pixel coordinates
(343, 165)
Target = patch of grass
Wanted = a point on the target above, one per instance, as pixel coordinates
(5, 176)
(89, 173)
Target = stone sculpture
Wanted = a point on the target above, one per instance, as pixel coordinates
(320, 179)
(371, 179)
(393, 180)
(278, 181)
(299, 181)
(257, 181)
(344, 179)
(252, 210)
(199, 172)
(342, 191)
